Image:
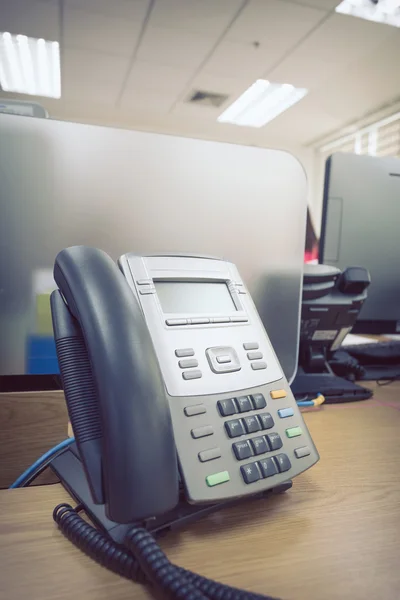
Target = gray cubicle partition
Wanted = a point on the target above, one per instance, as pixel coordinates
(65, 183)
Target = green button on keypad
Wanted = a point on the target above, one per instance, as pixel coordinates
(217, 478)
(293, 432)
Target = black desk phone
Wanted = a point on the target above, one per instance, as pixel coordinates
(171, 381)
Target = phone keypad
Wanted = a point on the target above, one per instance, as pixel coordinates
(255, 447)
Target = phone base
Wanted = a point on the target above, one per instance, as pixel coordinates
(69, 469)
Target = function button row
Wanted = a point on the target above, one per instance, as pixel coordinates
(238, 427)
(265, 468)
(202, 320)
(241, 404)
(258, 445)
(188, 363)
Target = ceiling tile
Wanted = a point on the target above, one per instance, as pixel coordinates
(302, 122)
(147, 102)
(201, 16)
(155, 77)
(261, 36)
(95, 31)
(92, 76)
(174, 47)
(337, 42)
(130, 9)
(366, 84)
(233, 58)
(30, 17)
(277, 25)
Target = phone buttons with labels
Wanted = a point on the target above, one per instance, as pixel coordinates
(217, 478)
(258, 401)
(250, 473)
(203, 431)
(244, 404)
(274, 441)
(267, 422)
(226, 407)
(283, 462)
(251, 424)
(259, 445)
(210, 454)
(268, 467)
(195, 374)
(234, 428)
(242, 450)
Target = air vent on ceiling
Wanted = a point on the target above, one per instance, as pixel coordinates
(204, 98)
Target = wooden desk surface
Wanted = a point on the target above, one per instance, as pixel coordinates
(336, 534)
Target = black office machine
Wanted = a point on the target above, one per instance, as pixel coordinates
(331, 303)
(176, 397)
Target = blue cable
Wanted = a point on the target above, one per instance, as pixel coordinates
(37, 464)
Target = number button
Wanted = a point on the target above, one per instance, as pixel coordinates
(250, 473)
(234, 428)
(268, 467)
(251, 424)
(267, 421)
(283, 462)
(259, 445)
(226, 407)
(258, 401)
(274, 441)
(244, 404)
(242, 450)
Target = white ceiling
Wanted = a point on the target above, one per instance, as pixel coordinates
(133, 63)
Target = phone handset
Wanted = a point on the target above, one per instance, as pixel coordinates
(127, 405)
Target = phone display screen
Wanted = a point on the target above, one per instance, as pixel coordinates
(195, 297)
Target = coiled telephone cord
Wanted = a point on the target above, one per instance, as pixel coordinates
(143, 561)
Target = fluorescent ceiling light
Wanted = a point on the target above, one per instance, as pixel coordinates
(381, 11)
(261, 102)
(29, 65)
